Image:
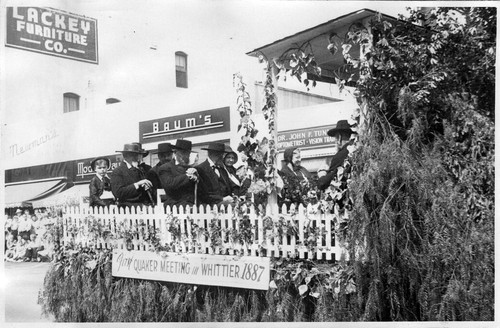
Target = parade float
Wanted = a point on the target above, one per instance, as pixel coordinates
(264, 260)
(405, 232)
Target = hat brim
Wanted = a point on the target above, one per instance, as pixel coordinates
(332, 132)
(129, 151)
(165, 152)
(174, 147)
(217, 150)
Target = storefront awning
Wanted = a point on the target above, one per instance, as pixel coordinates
(74, 196)
(23, 193)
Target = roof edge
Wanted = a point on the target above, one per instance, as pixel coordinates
(250, 53)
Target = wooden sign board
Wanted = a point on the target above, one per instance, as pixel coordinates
(248, 272)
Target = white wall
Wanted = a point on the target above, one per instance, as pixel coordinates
(141, 77)
(215, 35)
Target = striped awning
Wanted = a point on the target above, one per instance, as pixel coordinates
(25, 192)
(74, 196)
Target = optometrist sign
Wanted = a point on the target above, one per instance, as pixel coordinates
(316, 137)
(52, 32)
(249, 272)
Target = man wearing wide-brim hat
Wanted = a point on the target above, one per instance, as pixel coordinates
(128, 182)
(214, 187)
(165, 153)
(342, 133)
(178, 178)
(145, 167)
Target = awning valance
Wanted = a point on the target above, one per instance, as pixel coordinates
(23, 193)
(74, 196)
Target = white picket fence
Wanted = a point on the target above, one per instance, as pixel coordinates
(269, 239)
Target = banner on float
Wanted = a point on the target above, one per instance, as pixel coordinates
(248, 272)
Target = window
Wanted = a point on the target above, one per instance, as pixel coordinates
(71, 102)
(181, 70)
(110, 101)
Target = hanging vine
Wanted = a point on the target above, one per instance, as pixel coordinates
(260, 155)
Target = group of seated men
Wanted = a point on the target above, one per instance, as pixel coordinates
(134, 183)
(212, 182)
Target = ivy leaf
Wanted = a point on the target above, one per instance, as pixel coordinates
(351, 287)
(91, 264)
(315, 294)
(303, 289)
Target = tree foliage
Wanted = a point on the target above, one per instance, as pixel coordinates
(423, 178)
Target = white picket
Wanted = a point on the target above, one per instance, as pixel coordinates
(139, 221)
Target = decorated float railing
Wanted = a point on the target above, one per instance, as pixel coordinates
(296, 232)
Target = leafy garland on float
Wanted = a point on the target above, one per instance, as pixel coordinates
(260, 155)
(93, 233)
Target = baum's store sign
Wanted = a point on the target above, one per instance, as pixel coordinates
(53, 32)
(185, 126)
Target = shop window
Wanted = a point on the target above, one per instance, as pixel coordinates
(181, 70)
(110, 101)
(71, 102)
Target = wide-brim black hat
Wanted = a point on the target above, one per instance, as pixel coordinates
(215, 146)
(183, 144)
(131, 148)
(144, 151)
(342, 126)
(92, 164)
(165, 147)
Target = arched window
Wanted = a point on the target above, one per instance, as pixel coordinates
(71, 102)
(181, 80)
(110, 101)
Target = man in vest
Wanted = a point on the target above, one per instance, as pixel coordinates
(214, 187)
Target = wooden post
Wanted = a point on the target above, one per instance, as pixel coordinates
(273, 197)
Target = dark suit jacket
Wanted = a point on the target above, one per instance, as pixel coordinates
(179, 189)
(145, 167)
(211, 188)
(96, 188)
(300, 172)
(337, 160)
(153, 176)
(122, 186)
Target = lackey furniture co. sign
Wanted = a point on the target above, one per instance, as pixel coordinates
(53, 32)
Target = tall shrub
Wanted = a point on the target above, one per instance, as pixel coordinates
(423, 178)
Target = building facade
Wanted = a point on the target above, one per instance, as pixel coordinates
(81, 81)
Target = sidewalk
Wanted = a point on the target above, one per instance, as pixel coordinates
(23, 282)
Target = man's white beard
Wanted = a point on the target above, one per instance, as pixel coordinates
(134, 164)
